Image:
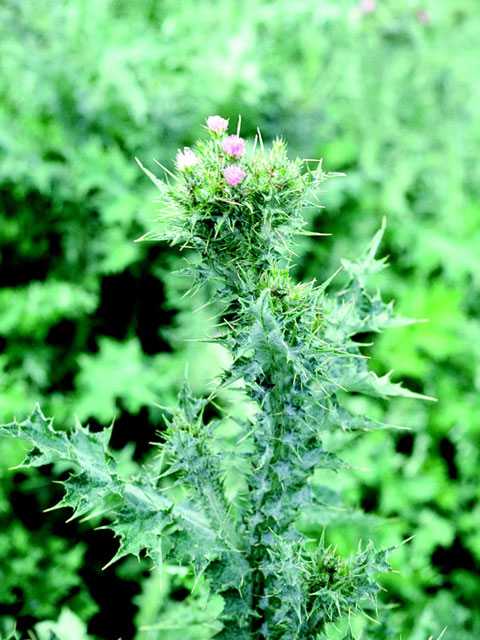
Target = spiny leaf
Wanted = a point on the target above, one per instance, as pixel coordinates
(96, 477)
(142, 515)
(140, 523)
(378, 386)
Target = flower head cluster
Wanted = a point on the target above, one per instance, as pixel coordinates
(217, 124)
(186, 159)
(234, 146)
(233, 174)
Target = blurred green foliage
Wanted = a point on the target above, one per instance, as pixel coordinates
(93, 324)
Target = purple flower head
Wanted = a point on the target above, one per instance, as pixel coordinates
(423, 16)
(368, 6)
(217, 124)
(233, 174)
(186, 159)
(234, 146)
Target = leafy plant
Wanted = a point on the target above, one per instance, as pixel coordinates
(381, 95)
(293, 357)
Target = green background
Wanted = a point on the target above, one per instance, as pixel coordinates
(93, 324)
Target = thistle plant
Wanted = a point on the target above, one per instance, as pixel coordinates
(293, 357)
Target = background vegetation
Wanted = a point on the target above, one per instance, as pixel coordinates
(94, 325)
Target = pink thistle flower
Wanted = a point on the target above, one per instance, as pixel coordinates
(233, 174)
(423, 16)
(234, 146)
(217, 124)
(186, 159)
(368, 6)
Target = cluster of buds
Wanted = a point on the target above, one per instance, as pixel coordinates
(232, 146)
